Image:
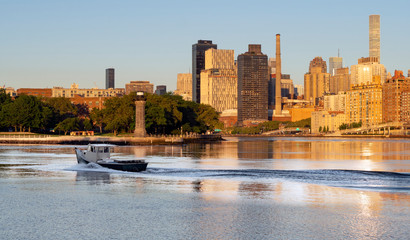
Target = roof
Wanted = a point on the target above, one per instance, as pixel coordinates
(101, 145)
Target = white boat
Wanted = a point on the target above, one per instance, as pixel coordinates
(100, 154)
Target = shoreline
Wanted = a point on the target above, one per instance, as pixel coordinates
(84, 140)
(28, 138)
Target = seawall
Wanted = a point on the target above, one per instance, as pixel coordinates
(83, 140)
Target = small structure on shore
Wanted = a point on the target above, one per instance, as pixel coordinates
(140, 116)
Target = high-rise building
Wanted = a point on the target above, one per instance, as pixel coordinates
(184, 86)
(316, 81)
(161, 89)
(219, 82)
(392, 96)
(405, 107)
(198, 64)
(299, 90)
(253, 76)
(139, 86)
(109, 78)
(286, 87)
(374, 36)
(366, 69)
(335, 102)
(318, 62)
(335, 63)
(364, 103)
(272, 65)
(340, 81)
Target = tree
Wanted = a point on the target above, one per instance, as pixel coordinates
(97, 116)
(69, 124)
(208, 117)
(320, 129)
(4, 100)
(119, 114)
(87, 124)
(26, 112)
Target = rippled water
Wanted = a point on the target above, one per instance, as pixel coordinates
(242, 188)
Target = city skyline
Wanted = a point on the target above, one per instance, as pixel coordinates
(48, 44)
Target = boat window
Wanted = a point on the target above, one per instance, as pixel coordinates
(92, 149)
(100, 150)
(106, 150)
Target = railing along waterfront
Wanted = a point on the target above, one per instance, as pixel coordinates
(24, 136)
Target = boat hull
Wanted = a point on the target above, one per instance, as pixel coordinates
(129, 166)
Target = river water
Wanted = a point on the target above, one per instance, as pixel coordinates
(242, 188)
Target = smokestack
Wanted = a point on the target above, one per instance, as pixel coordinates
(278, 97)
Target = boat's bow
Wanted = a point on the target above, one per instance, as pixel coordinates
(80, 156)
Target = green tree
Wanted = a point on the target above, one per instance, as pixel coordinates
(97, 116)
(68, 124)
(26, 112)
(87, 124)
(119, 114)
(4, 100)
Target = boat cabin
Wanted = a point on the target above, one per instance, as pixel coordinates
(98, 151)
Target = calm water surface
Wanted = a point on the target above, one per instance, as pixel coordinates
(242, 188)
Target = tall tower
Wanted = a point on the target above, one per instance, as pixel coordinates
(109, 78)
(374, 36)
(198, 64)
(335, 63)
(278, 96)
(253, 76)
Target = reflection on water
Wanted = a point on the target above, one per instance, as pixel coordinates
(93, 177)
(303, 153)
(243, 188)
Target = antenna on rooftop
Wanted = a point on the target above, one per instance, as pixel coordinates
(338, 52)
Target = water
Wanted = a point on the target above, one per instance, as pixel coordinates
(242, 188)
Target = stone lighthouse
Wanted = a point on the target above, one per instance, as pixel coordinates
(140, 115)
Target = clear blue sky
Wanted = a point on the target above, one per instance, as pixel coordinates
(46, 43)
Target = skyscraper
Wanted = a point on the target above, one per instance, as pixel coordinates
(374, 36)
(335, 63)
(317, 80)
(318, 62)
(253, 76)
(340, 81)
(198, 64)
(184, 86)
(366, 69)
(161, 90)
(393, 90)
(219, 81)
(109, 78)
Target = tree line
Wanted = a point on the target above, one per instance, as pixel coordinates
(166, 114)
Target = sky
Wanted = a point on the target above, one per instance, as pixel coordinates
(47, 43)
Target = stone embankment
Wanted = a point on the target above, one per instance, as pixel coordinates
(82, 140)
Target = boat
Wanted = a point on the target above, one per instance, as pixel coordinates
(100, 154)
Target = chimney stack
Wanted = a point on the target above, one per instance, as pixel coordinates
(278, 97)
